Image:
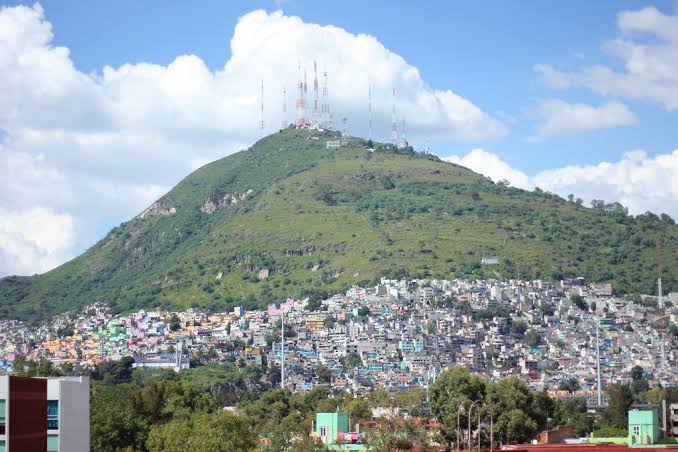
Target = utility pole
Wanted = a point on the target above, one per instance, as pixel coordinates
(600, 394)
(282, 346)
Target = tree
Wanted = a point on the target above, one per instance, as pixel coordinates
(114, 372)
(514, 427)
(578, 301)
(451, 388)
(214, 432)
(166, 400)
(323, 373)
(113, 425)
(620, 399)
(174, 323)
(532, 338)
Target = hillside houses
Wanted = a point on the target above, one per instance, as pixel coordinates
(398, 334)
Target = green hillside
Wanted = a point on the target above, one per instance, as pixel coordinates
(320, 220)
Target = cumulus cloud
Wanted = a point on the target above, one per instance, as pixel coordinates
(491, 165)
(640, 182)
(35, 239)
(77, 149)
(560, 117)
(648, 49)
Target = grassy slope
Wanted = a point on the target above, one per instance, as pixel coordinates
(320, 220)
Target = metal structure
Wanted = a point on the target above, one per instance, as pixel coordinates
(301, 100)
(284, 119)
(325, 107)
(282, 347)
(315, 115)
(598, 384)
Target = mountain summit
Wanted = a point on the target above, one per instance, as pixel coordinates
(308, 213)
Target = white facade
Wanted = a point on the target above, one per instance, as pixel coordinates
(4, 411)
(67, 413)
(72, 394)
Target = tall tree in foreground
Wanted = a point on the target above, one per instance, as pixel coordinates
(620, 399)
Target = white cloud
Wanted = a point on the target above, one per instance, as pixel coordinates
(492, 166)
(35, 239)
(559, 117)
(638, 181)
(94, 147)
(650, 65)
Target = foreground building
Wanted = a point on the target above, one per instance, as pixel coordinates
(44, 414)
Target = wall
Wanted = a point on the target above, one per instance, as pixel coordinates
(74, 416)
(27, 415)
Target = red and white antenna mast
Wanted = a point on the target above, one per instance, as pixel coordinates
(261, 123)
(284, 120)
(316, 112)
(327, 122)
(301, 106)
(394, 127)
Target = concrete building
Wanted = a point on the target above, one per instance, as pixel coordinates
(44, 414)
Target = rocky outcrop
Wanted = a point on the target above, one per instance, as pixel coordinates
(211, 204)
(159, 208)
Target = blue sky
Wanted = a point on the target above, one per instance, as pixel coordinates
(109, 104)
(484, 50)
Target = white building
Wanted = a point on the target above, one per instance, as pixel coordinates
(27, 405)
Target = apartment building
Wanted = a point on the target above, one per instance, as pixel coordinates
(44, 414)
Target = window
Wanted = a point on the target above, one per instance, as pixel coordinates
(2, 419)
(52, 443)
(52, 414)
(2, 446)
(323, 431)
(636, 430)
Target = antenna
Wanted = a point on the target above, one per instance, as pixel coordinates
(600, 394)
(282, 346)
(394, 127)
(305, 98)
(369, 106)
(660, 296)
(343, 130)
(316, 112)
(261, 124)
(404, 133)
(326, 116)
(301, 105)
(284, 120)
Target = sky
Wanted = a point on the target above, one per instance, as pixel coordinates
(104, 106)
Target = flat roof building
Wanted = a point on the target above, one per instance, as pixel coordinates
(44, 414)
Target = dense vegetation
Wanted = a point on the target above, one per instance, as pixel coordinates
(320, 220)
(152, 410)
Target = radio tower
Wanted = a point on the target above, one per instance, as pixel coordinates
(316, 111)
(369, 106)
(660, 295)
(301, 103)
(327, 121)
(284, 120)
(306, 121)
(394, 127)
(344, 132)
(261, 123)
(403, 133)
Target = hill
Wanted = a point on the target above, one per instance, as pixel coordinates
(289, 217)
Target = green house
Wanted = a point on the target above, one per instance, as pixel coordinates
(643, 427)
(328, 425)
